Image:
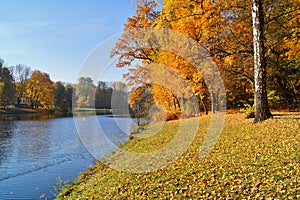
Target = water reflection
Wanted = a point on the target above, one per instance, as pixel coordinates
(35, 150)
(24, 144)
(5, 134)
(28, 117)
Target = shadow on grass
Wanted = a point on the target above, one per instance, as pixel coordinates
(286, 115)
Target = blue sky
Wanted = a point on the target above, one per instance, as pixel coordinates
(56, 36)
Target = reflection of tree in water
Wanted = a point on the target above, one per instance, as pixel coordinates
(6, 128)
(33, 117)
(33, 143)
(24, 144)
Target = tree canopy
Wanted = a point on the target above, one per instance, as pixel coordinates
(7, 87)
(224, 28)
(40, 90)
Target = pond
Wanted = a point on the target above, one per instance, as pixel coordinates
(37, 152)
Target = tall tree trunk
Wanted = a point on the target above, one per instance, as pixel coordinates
(204, 106)
(213, 102)
(262, 111)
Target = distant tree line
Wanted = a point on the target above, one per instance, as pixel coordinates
(22, 87)
(104, 95)
(7, 86)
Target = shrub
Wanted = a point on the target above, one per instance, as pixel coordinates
(273, 99)
(249, 111)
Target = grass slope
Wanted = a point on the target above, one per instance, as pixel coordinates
(260, 161)
(16, 111)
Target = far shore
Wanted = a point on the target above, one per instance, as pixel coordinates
(21, 111)
(11, 111)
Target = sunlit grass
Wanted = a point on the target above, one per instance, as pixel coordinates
(92, 111)
(249, 161)
(12, 110)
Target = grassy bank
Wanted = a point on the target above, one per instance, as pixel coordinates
(249, 161)
(17, 111)
(93, 111)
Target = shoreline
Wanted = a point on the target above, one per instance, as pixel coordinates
(14, 111)
(19, 111)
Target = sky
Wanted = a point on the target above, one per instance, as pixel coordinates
(57, 36)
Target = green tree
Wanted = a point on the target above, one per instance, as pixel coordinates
(21, 74)
(103, 95)
(63, 96)
(59, 96)
(69, 97)
(7, 87)
(85, 93)
(119, 97)
(1, 63)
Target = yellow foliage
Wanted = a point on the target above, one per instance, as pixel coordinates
(40, 89)
(224, 29)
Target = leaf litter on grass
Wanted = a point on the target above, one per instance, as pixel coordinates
(260, 161)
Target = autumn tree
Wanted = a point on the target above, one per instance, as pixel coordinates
(283, 52)
(225, 29)
(40, 90)
(129, 49)
(280, 18)
(140, 101)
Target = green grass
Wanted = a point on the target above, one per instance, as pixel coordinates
(260, 161)
(92, 111)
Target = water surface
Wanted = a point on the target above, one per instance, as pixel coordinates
(37, 152)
